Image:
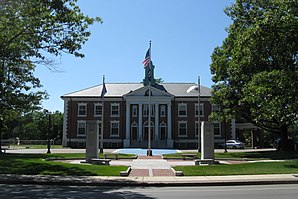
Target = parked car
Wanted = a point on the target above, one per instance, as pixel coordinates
(233, 144)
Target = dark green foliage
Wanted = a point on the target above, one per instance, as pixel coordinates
(255, 71)
(30, 30)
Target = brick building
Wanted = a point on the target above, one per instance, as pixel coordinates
(125, 113)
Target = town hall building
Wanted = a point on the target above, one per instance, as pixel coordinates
(122, 113)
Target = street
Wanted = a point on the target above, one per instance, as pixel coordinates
(286, 191)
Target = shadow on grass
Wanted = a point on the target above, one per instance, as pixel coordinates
(32, 164)
(273, 155)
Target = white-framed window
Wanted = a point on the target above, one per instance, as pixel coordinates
(163, 131)
(162, 110)
(197, 128)
(99, 129)
(134, 111)
(201, 110)
(98, 109)
(81, 128)
(182, 110)
(115, 110)
(216, 129)
(114, 130)
(182, 129)
(215, 108)
(82, 109)
(146, 110)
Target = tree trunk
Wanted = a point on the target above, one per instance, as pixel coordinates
(1, 129)
(284, 138)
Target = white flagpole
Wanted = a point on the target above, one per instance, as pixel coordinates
(149, 151)
(102, 116)
(199, 115)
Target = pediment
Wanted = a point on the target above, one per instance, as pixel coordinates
(144, 92)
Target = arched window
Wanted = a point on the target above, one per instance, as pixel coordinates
(163, 131)
(134, 131)
(146, 130)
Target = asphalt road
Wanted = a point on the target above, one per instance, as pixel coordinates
(288, 191)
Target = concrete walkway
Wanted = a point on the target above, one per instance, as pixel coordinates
(150, 166)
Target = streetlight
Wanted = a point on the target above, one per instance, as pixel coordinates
(47, 112)
(198, 89)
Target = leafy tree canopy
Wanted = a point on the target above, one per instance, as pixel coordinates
(255, 69)
(30, 30)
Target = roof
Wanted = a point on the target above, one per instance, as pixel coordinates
(120, 89)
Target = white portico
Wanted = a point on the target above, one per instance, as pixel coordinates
(137, 104)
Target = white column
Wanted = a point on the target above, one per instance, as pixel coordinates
(170, 142)
(65, 118)
(127, 134)
(233, 128)
(140, 129)
(156, 137)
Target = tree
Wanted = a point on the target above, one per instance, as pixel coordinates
(255, 69)
(30, 30)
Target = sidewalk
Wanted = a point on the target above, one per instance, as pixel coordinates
(150, 181)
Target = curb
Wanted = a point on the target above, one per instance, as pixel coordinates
(124, 181)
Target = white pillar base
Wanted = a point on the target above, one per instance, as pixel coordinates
(126, 143)
(170, 143)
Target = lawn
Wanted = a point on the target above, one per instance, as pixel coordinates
(34, 164)
(287, 167)
(262, 155)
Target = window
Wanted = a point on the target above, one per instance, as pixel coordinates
(216, 128)
(134, 111)
(99, 130)
(163, 131)
(162, 110)
(82, 109)
(146, 111)
(182, 110)
(201, 110)
(115, 110)
(197, 129)
(114, 129)
(182, 129)
(81, 128)
(215, 108)
(98, 109)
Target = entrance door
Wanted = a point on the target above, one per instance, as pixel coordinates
(134, 131)
(146, 130)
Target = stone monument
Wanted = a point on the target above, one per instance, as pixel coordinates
(91, 141)
(207, 141)
(207, 144)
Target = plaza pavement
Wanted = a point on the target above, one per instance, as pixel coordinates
(148, 172)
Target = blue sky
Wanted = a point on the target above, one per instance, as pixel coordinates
(183, 34)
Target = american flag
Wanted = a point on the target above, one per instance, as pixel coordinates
(147, 59)
(104, 89)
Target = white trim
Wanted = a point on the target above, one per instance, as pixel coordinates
(163, 109)
(118, 109)
(134, 110)
(111, 126)
(83, 104)
(213, 108)
(65, 122)
(219, 127)
(182, 122)
(97, 105)
(201, 109)
(78, 126)
(179, 107)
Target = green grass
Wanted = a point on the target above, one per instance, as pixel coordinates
(33, 164)
(287, 167)
(264, 155)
